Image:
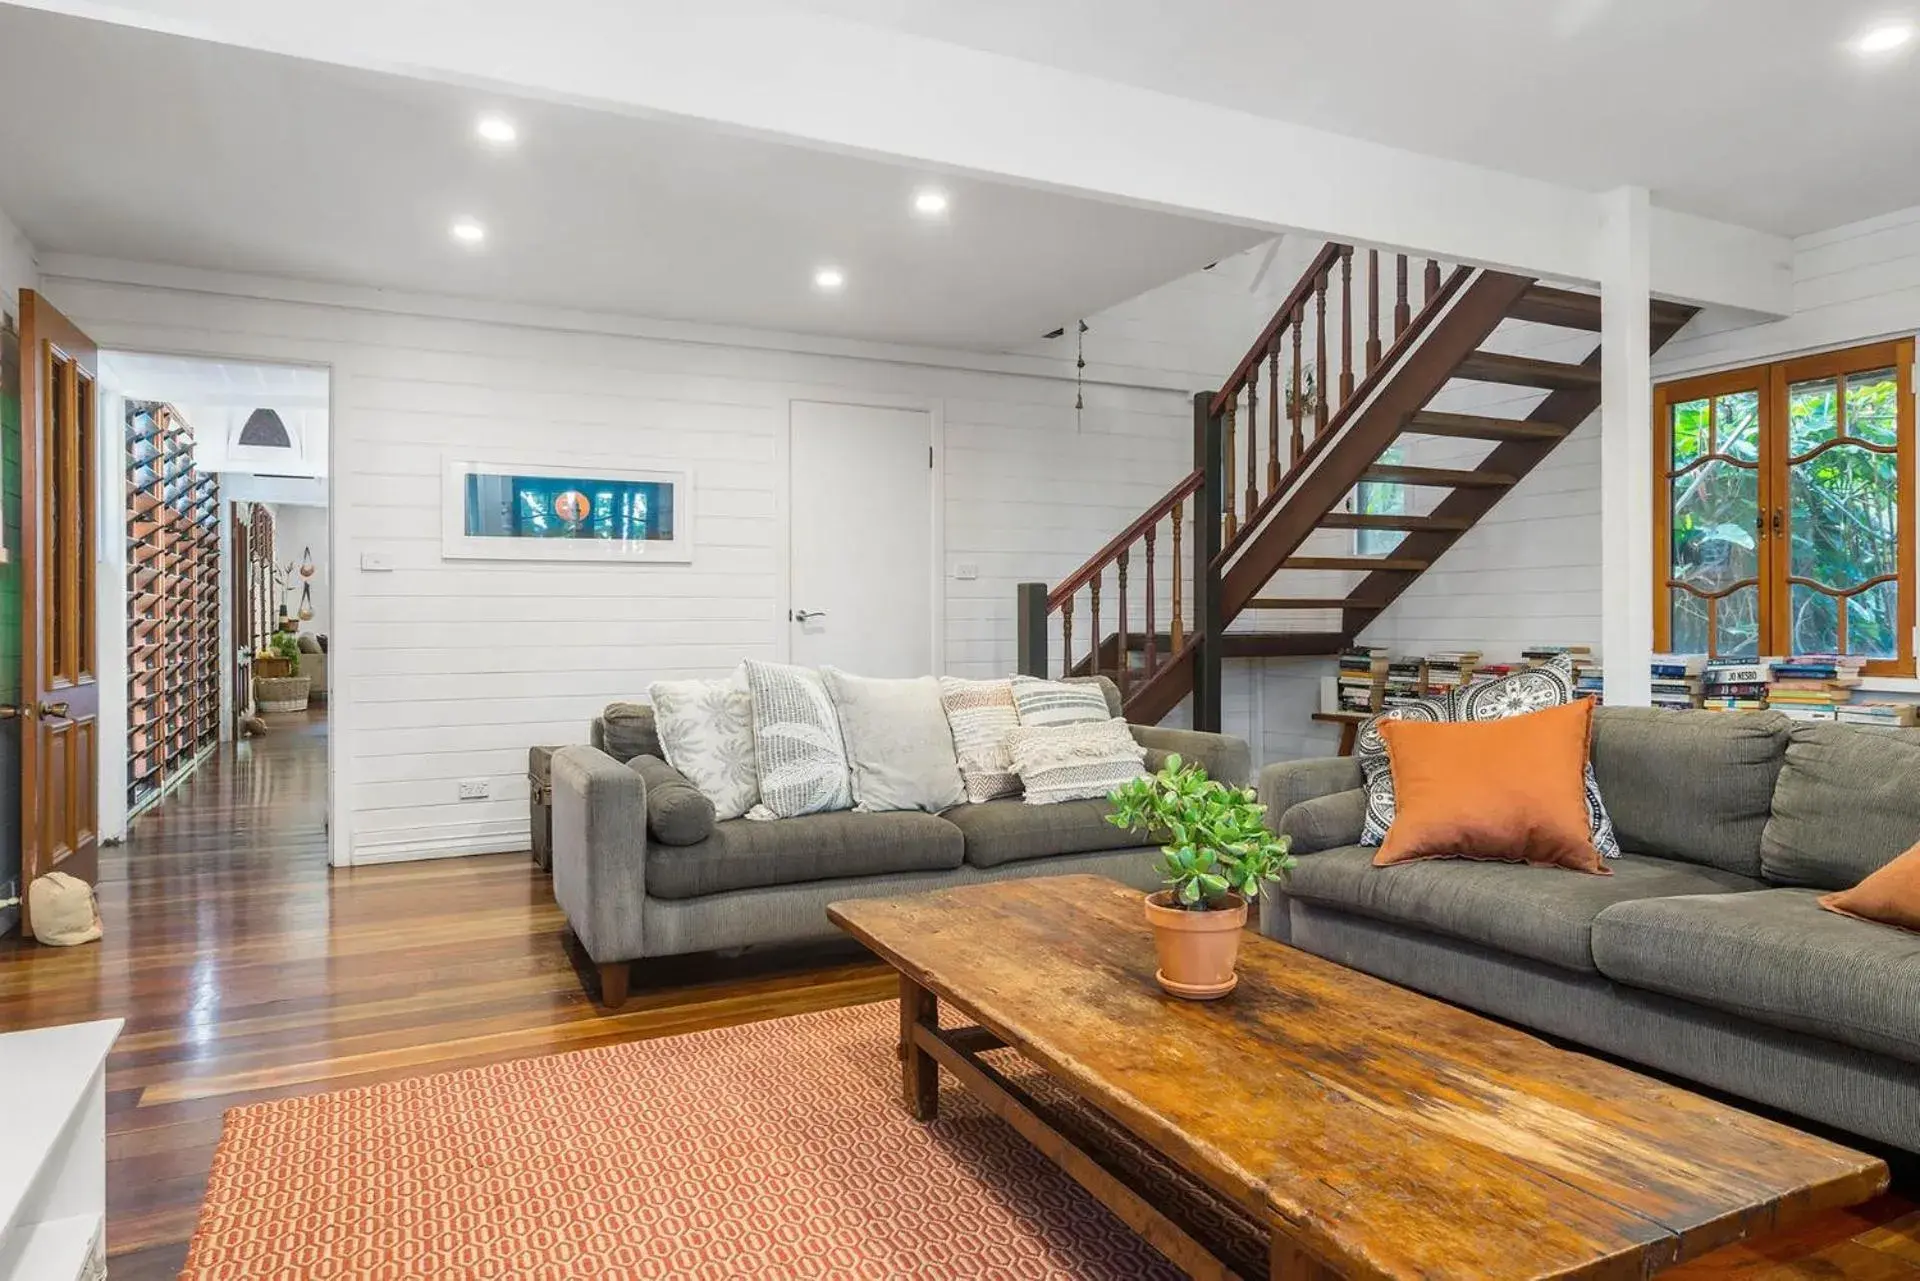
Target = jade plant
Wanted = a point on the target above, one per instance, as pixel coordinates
(1219, 842)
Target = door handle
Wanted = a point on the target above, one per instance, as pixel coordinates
(27, 711)
(808, 615)
(53, 711)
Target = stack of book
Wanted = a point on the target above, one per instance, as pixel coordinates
(1676, 680)
(1539, 655)
(1736, 684)
(1889, 715)
(1494, 671)
(1363, 668)
(1590, 681)
(1406, 681)
(1450, 669)
(1813, 687)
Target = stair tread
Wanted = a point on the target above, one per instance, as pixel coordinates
(1441, 477)
(1390, 520)
(1315, 602)
(1483, 427)
(1404, 564)
(1570, 309)
(1528, 371)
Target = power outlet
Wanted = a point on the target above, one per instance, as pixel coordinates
(966, 571)
(475, 789)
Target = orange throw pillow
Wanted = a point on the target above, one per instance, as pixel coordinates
(1891, 896)
(1511, 790)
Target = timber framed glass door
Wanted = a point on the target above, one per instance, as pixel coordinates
(1784, 509)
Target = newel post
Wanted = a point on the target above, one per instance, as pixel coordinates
(1030, 628)
(1210, 458)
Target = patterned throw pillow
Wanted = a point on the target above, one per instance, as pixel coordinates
(796, 743)
(1082, 761)
(1549, 685)
(981, 715)
(1041, 702)
(706, 731)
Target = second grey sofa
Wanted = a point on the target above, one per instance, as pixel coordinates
(640, 875)
(1705, 954)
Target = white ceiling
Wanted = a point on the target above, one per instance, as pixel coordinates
(124, 143)
(1749, 111)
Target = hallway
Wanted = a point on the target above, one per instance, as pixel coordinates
(247, 970)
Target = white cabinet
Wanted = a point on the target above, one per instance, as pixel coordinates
(53, 1141)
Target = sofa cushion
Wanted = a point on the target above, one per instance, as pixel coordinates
(678, 813)
(1692, 786)
(1325, 822)
(1845, 806)
(626, 730)
(748, 854)
(1545, 913)
(1774, 957)
(706, 732)
(1013, 831)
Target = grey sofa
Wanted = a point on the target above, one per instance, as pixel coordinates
(639, 874)
(1705, 955)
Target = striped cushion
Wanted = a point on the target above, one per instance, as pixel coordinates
(981, 715)
(1077, 762)
(1041, 702)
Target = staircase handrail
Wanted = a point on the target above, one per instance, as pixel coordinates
(1296, 302)
(1126, 538)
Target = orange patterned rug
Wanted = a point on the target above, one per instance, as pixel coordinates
(776, 1149)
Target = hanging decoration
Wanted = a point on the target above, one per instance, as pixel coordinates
(306, 602)
(306, 562)
(1079, 374)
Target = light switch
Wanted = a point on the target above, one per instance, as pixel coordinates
(966, 571)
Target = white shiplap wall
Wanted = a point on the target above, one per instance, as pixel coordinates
(450, 670)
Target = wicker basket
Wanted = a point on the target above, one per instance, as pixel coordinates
(267, 668)
(281, 693)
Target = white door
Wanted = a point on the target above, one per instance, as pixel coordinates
(862, 568)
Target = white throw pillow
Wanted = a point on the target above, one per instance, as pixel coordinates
(1041, 702)
(796, 743)
(898, 742)
(1079, 762)
(706, 730)
(980, 715)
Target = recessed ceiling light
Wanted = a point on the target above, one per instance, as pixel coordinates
(497, 130)
(930, 202)
(829, 279)
(1885, 39)
(468, 232)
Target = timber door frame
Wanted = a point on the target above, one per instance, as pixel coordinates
(59, 642)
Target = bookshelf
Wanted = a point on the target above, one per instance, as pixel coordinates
(173, 604)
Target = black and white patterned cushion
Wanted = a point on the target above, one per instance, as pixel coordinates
(1549, 685)
(797, 745)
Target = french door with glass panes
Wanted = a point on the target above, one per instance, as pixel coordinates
(1784, 509)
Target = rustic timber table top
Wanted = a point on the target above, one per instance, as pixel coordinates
(1373, 1131)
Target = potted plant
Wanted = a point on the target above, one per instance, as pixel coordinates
(1219, 853)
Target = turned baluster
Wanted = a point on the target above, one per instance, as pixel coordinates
(1432, 281)
(1093, 626)
(1153, 635)
(1346, 323)
(1319, 356)
(1177, 629)
(1295, 406)
(1123, 656)
(1066, 637)
(1229, 523)
(1373, 308)
(1273, 418)
(1402, 314)
(1253, 440)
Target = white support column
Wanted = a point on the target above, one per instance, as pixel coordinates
(1626, 446)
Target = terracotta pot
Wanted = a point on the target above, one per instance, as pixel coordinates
(1196, 949)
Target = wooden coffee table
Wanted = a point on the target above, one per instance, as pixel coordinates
(1363, 1130)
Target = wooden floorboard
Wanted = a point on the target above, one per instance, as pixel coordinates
(247, 971)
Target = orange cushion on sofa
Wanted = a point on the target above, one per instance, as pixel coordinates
(1891, 896)
(1511, 790)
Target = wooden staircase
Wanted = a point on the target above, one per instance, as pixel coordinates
(1336, 401)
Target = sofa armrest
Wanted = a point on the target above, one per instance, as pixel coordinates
(1328, 822)
(1287, 783)
(600, 851)
(1223, 756)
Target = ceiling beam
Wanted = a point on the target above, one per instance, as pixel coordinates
(767, 69)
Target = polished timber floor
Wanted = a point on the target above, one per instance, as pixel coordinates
(246, 970)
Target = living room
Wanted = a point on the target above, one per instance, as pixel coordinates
(995, 335)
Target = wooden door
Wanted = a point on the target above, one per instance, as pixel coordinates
(59, 529)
